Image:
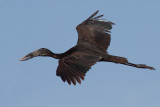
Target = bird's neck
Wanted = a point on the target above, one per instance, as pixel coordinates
(56, 56)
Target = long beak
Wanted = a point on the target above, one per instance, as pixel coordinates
(29, 56)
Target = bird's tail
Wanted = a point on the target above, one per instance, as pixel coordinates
(124, 61)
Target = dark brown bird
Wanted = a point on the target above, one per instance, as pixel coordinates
(93, 41)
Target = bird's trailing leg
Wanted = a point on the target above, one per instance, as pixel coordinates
(124, 61)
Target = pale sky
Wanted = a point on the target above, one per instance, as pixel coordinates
(27, 25)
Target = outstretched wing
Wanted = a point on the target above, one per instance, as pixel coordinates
(73, 67)
(95, 31)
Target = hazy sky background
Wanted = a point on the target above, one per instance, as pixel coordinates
(27, 25)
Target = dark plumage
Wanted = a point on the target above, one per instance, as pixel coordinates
(93, 41)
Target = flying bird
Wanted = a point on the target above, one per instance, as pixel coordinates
(93, 41)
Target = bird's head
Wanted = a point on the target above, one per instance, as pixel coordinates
(39, 52)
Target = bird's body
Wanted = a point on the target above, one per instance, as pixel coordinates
(93, 41)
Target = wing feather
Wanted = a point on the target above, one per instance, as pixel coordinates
(71, 76)
(94, 31)
(73, 67)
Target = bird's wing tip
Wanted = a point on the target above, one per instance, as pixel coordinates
(93, 15)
